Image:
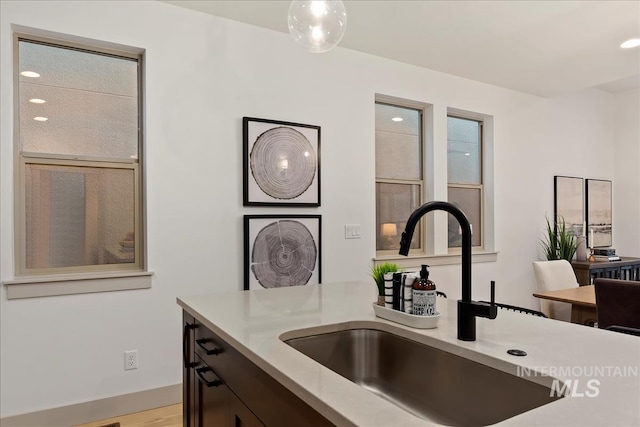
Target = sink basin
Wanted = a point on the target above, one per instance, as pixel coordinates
(430, 383)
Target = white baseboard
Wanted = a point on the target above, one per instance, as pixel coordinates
(98, 409)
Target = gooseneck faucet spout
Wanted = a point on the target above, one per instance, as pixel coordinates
(468, 310)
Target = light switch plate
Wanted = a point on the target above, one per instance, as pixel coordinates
(352, 231)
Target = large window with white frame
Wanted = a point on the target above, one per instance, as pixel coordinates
(399, 142)
(78, 159)
(464, 170)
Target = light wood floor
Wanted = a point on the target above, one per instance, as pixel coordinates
(167, 416)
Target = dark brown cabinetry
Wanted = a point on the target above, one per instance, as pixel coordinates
(221, 387)
(626, 269)
(211, 397)
(188, 373)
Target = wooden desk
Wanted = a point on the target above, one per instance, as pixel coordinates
(582, 300)
(626, 269)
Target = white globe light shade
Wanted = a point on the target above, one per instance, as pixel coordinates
(318, 26)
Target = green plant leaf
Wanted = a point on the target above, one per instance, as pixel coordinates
(559, 241)
(378, 272)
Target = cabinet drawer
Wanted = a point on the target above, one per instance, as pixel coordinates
(270, 401)
(211, 397)
(254, 398)
(206, 374)
(210, 348)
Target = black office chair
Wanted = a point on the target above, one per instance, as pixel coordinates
(519, 309)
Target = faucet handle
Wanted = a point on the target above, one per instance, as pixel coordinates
(493, 292)
(493, 309)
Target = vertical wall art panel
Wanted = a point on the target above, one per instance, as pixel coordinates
(599, 218)
(281, 250)
(569, 202)
(281, 163)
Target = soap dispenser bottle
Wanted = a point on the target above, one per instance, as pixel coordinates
(424, 294)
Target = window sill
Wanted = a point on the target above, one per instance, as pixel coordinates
(44, 286)
(415, 261)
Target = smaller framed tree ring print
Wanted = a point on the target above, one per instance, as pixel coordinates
(281, 251)
(599, 217)
(281, 163)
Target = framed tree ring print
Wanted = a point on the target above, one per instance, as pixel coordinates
(281, 163)
(281, 250)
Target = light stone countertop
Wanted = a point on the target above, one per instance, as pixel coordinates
(254, 322)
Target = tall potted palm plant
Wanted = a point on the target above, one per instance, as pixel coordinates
(559, 241)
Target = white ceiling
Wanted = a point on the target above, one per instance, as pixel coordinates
(541, 47)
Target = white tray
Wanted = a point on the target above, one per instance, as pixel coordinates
(419, 322)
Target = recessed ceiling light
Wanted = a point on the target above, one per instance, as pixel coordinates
(630, 43)
(397, 119)
(41, 119)
(30, 74)
(467, 154)
(37, 101)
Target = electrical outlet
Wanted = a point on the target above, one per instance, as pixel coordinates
(130, 360)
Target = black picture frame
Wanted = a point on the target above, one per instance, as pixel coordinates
(598, 202)
(281, 163)
(568, 202)
(282, 251)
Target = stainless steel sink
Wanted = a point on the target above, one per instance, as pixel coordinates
(430, 383)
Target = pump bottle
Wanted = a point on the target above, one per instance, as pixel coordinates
(424, 294)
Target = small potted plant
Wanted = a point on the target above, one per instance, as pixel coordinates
(378, 272)
(559, 242)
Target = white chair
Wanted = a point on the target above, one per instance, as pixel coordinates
(551, 276)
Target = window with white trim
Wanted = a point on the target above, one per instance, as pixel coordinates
(399, 173)
(464, 170)
(78, 144)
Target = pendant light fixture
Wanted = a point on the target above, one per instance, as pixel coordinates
(318, 26)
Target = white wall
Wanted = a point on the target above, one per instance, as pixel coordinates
(205, 73)
(626, 190)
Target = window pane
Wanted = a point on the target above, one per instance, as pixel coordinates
(91, 103)
(398, 153)
(464, 151)
(395, 203)
(79, 216)
(468, 200)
